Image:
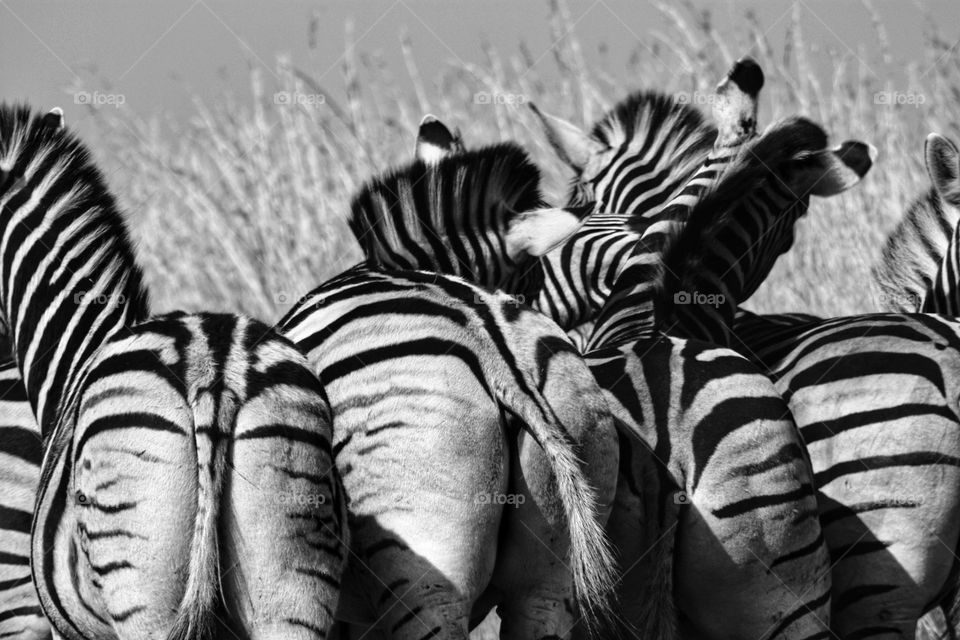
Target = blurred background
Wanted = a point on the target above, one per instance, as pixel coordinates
(235, 132)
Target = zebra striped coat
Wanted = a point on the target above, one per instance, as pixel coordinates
(867, 577)
(919, 268)
(21, 451)
(423, 371)
(173, 415)
(724, 410)
(636, 159)
(672, 396)
(873, 396)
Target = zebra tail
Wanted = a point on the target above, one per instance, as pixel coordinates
(592, 561)
(196, 618)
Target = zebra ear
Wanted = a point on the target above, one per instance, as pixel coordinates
(943, 165)
(435, 141)
(735, 106)
(54, 119)
(536, 232)
(574, 146)
(832, 171)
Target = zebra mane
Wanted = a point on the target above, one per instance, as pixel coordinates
(913, 252)
(688, 247)
(645, 119)
(28, 147)
(449, 217)
(645, 113)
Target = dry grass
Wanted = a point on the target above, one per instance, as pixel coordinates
(243, 207)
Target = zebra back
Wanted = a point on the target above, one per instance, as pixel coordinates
(217, 423)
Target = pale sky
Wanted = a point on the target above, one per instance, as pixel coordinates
(158, 54)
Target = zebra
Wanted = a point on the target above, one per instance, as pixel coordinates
(213, 420)
(422, 370)
(875, 397)
(829, 341)
(664, 391)
(21, 451)
(646, 152)
(636, 158)
(780, 171)
(860, 599)
(918, 268)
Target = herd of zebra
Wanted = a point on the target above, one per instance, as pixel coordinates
(413, 445)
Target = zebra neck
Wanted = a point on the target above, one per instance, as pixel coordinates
(580, 274)
(721, 258)
(628, 314)
(68, 280)
(451, 217)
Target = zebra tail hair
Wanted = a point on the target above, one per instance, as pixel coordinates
(196, 618)
(591, 558)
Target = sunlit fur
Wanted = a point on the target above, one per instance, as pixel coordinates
(423, 370)
(21, 450)
(914, 252)
(403, 219)
(874, 397)
(173, 416)
(920, 265)
(719, 431)
(670, 394)
(65, 251)
(655, 144)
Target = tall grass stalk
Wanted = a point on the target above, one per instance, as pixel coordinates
(243, 207)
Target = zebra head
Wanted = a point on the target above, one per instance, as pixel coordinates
(435, 141)
(737, 230)
(918, 266)
(475, 214)
(636, 156)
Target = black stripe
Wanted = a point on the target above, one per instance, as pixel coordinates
(288, 433)
(802, 552)
(855, 594)
(761, 502)
(825, 429)
(121, 421)
(844, 552)
(873, 463)
(808, 607)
